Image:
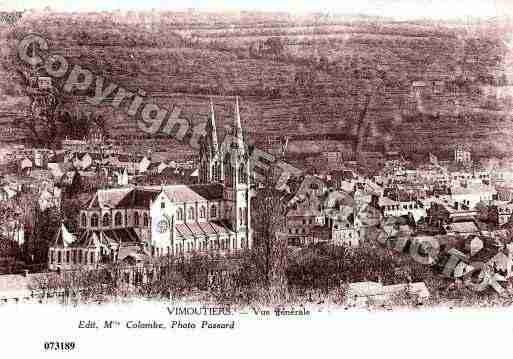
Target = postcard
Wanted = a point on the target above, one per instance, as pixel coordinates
(289, 179)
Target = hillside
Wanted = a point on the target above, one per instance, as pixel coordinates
(300, 76)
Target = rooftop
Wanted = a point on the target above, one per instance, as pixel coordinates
(129, 197)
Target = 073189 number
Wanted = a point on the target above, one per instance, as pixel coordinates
(59, 346)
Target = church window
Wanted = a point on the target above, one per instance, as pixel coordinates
(106, 220)
(136, 219)
(242, 174)
(216, 172)
(228, 170)
(146, 221)
(94, 220)
(118, 219)
(213, 211)
(191, 213)
(84, 220)
(202, 212)
(179, 214)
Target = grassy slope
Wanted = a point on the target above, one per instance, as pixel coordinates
(403, 55)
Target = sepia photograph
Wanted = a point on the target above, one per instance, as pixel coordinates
(268, 178)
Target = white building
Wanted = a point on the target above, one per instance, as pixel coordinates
(390, 208)
(462, 154)
(469, 196)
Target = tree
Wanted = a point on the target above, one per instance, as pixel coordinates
(70, 213)
(41, 118)
(77, 285)
(269, 210)
(45, 118)
(79, 124)
(274, 46)
(19, 214)
(362, 124)
(45, 224)
(9, 251)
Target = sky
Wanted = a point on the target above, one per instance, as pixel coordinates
(400, 9)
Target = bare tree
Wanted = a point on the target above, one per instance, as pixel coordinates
(362, 123)
(41, 120)
(269, 209)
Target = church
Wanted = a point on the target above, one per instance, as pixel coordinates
(130, 223)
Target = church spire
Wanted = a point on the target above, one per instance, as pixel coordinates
(211, 130)
(239, 140)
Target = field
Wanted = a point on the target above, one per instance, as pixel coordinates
(296, 75)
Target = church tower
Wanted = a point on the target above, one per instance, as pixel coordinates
(236, 192)
(210, 167)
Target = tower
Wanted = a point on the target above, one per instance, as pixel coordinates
(462, 154)
(236, 189)
(210, 167)
(41, 158)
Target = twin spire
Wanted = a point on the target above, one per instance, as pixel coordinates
(211, 130)
(237, 141)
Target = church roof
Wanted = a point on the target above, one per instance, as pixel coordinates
(110, 198)
(142, 197)
(63, 238)
(98, 238)
(193, 193)
(201, 229)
